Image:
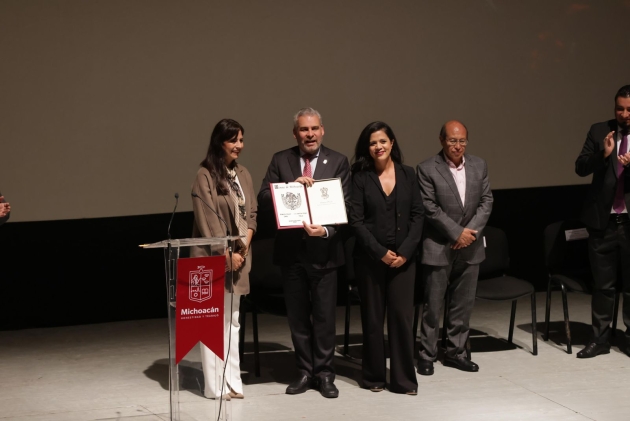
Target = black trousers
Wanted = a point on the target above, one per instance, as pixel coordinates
(381, 288)
(609, 251)
(311, 298)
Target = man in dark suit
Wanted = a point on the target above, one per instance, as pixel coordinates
(605, 155)
(457, 202)
(5, 210)
(309, 257)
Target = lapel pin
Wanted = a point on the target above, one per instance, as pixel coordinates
(325, 161)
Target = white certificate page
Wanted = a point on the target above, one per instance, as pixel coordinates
(328, 206)
(290, 203)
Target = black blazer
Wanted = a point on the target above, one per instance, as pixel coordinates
(325, 253)
(601, 195)
(5, 218)
(367, 212)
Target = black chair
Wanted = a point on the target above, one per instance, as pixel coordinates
(495, 285)
(569, 270)
(266, 294)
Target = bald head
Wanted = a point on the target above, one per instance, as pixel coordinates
(453, 125)
(454, 138)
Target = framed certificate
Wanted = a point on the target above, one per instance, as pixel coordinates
(323, 203)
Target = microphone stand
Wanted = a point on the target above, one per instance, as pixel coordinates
(170, 292)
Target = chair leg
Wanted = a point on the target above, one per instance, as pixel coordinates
(567, 326)
(256, 348)
(512, 317)
(416, 321)
(346, 332)
(547, 311)
(534, 330)
(615, 312)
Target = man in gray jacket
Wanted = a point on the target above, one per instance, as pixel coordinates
(457, 201)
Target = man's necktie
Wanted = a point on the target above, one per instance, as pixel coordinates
(307, 166)
(619, 203)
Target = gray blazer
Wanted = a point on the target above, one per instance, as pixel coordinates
(446, 217)
(206, 223)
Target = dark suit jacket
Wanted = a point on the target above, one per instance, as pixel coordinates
(446, 217)
(601, 195)
(368, 209)
(325, 253)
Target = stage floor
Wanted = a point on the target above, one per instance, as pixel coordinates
(118, 371)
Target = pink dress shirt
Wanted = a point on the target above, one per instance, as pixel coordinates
(459, 175)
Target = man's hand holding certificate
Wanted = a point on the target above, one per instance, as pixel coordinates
(317, 202)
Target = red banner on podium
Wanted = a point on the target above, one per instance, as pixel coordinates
(200, 292)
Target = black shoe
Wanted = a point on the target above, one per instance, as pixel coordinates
(301, 385)
(327, 388)
(593, 350)
(425, 367)
(461, 363)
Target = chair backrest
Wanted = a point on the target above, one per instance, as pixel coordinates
(566, 257)
(264, 274)
(497, 253)
(348, 249)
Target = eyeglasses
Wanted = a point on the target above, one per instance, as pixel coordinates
(453, 142)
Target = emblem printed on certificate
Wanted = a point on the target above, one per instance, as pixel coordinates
(291, 201)
(321, 204)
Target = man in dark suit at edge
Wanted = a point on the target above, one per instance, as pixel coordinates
(309, 257)
(605, 155)
(457, 202)
(5, 210)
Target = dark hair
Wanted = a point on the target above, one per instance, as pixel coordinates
(214, 162)
(623, 92)
(362, 160)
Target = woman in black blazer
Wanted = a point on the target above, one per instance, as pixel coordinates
(386, 214)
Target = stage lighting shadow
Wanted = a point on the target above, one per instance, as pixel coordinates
(580, 332)
(277, 364)
(355, 347)
(490, 344)
(190, 375)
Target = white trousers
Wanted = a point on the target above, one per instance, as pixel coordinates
(209, 361)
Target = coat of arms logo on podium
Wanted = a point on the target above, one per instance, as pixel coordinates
(200, 284)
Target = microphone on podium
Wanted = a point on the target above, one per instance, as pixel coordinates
(227, 230)
(168, 232)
